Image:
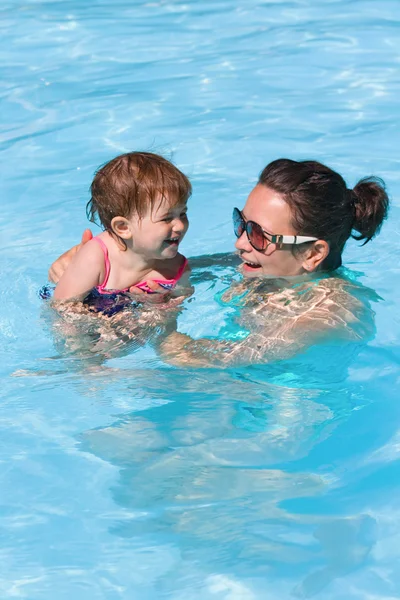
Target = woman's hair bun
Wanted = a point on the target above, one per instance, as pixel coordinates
(371, 205)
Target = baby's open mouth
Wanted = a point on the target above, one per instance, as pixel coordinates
(172, 241)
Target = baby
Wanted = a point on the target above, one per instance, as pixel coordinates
(140, 199)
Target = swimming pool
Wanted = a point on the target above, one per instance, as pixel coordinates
(137, 480)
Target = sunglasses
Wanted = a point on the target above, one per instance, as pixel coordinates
(259, 238)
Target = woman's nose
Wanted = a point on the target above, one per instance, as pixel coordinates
(242, 243)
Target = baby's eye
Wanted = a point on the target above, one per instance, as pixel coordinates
(167, 219)
(184, 214)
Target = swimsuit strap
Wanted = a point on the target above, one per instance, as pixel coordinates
(175, 279)
(168, 283)
(106, 263)
(180, 272)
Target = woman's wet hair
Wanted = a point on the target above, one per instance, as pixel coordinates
(135, 183)
(322, 206)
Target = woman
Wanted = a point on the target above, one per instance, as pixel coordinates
(291, 235)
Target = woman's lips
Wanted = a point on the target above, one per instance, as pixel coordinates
(249, 266)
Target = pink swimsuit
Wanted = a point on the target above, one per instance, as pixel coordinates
(168, 284)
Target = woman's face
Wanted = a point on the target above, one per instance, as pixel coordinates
(268, 209)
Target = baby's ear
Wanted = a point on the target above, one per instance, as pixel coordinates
(121, 227)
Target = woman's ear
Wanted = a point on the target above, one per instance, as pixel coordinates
(315, 255)
(121, 227)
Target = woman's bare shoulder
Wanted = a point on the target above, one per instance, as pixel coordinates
(336, 303)
(327, 304)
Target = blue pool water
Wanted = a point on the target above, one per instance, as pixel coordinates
(134, 480)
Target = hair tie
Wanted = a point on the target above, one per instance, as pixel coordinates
(353, 199)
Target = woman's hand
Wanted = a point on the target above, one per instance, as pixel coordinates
(60, 265)
(159, 294)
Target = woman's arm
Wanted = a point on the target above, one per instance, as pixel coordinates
(338, 316)
(83, 273)
(181, 350)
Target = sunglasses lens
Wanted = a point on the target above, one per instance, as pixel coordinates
(238, 223)
(256, 236)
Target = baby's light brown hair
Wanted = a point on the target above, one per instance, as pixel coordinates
(133, 183)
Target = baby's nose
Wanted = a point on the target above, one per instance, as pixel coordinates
(178, 225)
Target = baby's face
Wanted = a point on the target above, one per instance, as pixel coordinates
(158, 234)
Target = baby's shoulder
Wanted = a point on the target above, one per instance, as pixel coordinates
(92, 251)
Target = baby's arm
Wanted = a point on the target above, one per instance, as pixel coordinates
(82, 274)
